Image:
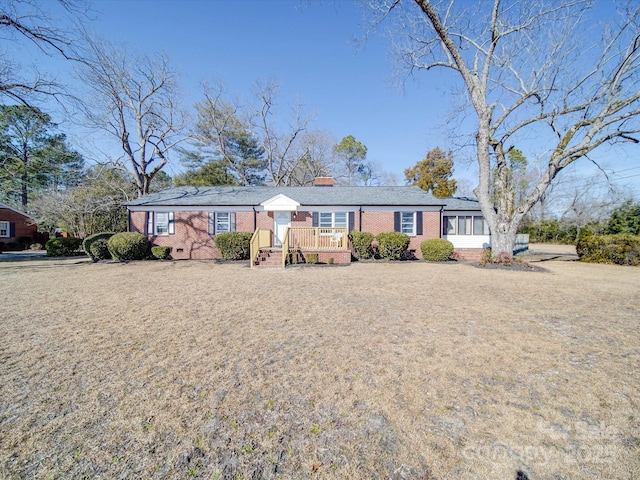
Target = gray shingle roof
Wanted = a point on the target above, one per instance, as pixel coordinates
(461, 203)
(306, 196)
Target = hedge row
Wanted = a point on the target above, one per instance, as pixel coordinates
(63, 247)
(621, 249)
(394, 245)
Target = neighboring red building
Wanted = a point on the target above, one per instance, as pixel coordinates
(16, 226)
(318, 219)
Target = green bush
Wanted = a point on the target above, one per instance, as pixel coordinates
(550, 231)
(436, 250)
(99, 250)
(128, 246)
(161, 252)
(63, 247)
(621, 249)
(361, 242)
(392, 245)
(234, 245)
(86, 245)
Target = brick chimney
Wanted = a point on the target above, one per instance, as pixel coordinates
(323, 182)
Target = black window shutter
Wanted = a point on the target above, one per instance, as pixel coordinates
(232, 221)
(12, 229)
(314, 219)
(352, 222)
(212, 224)
(418, 223)
(148, 228)
(396, 221)
(172, 223)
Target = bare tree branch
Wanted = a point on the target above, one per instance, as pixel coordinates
(135, 100)
(542, 69)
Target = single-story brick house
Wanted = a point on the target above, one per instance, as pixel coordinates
(16, 226)
(313, 219)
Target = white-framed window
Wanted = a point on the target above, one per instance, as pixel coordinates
(449, 225)
(465, 225)
(5, 229)
(408, 222)
(160, 223)
(332, 219)
(221, 222)
(480, 226)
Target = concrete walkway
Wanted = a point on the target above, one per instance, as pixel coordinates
(543, 252)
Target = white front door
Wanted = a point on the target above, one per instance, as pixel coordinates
(281, 220)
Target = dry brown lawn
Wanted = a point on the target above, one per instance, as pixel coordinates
(195, 369)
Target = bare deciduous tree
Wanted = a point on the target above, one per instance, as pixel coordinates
(544, 71)
(281, 147)
(284, 153)
(29, 20)
(96, 206)
(135, 99)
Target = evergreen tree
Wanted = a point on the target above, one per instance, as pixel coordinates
(433, 174)
(32, 157)
(625, 219)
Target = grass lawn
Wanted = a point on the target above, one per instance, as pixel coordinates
(194, 369)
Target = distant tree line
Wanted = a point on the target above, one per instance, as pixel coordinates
(625, 218)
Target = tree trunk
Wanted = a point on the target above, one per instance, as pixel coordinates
(502, 245)
(24, 194)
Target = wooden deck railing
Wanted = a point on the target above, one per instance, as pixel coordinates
(285, 247)
(317, 238)
(261, 238)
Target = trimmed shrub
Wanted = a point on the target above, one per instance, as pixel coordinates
(436, 250)
(99, 250)
(161, 252)
(128, 246)
(621, 249)
(392, 245)
(234, 245)
(86, 245)
(63, 247)
(361, 242)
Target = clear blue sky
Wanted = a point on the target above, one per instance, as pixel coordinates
(316, 52)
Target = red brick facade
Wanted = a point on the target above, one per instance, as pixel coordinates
(20, 225)
(192, 240)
